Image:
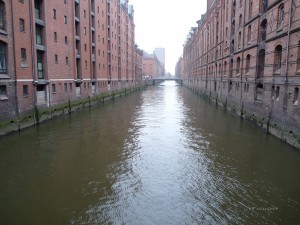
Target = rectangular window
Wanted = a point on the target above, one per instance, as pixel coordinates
(22, 25)
(2, 15)
(55, 36)
(71, 87)
(54, 13)
(37, 8)
(67, 60)
(66, 40)
(3, 66)
(25, 90)
(65, 20)
(56, 59)
(38, 31)
(3, 91)
(66, 86)
(53, 88)
(40, 68)
(23, 54)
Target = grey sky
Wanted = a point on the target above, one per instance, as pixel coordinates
(165, 23)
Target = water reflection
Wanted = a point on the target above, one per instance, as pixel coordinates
(162, 156)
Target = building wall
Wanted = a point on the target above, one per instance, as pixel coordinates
(149, 67)
(87, 48)
(246, 56)
(138, 64)
(7, 71)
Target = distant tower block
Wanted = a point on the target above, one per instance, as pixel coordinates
(160, 54)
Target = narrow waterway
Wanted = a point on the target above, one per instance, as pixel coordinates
(161, 156)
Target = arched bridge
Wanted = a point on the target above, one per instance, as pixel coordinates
(164, 78)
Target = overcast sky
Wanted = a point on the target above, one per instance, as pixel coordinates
(165, 23)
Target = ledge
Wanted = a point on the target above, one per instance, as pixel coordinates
(3, 32)
(4, 76)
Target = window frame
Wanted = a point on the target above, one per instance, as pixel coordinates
(3, 57)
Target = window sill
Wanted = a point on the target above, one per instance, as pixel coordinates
(24, 65)
(3, 32)
(279, 29)
(3, 98)
(277, 73)
(4, 76)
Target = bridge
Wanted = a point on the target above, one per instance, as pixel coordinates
(164, 78)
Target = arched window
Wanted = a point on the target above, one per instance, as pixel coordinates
(263, 6)
(2, 15)
(280, 17)
(298, 58)
(3, 55)
(263, 30)
(277, 58)
(240, 20)
(232, 46)
(259, 91)
(249, 34)
(226, 11)
(233, 9)
(250, 8)
(277, 92)
(231, 68)
(248, 63)
(239, 39)
(296, 95)
(238, 65)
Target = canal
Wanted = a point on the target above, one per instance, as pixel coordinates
(160, 156)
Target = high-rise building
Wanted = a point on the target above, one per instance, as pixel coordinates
(160, 54)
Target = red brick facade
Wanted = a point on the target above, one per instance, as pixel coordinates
(55, 51)
(151, 66)
(246, 55)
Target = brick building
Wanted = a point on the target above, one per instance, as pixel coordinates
(138, 64)
(246, 56)
(152, 67)
(55, 51)
(179, 68)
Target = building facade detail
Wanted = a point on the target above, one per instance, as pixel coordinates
(246, 56)
(53, 52)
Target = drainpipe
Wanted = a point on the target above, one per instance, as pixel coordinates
(242, 66)
(15, 68)
(287, 55)
(285, 100)
(32, 58)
